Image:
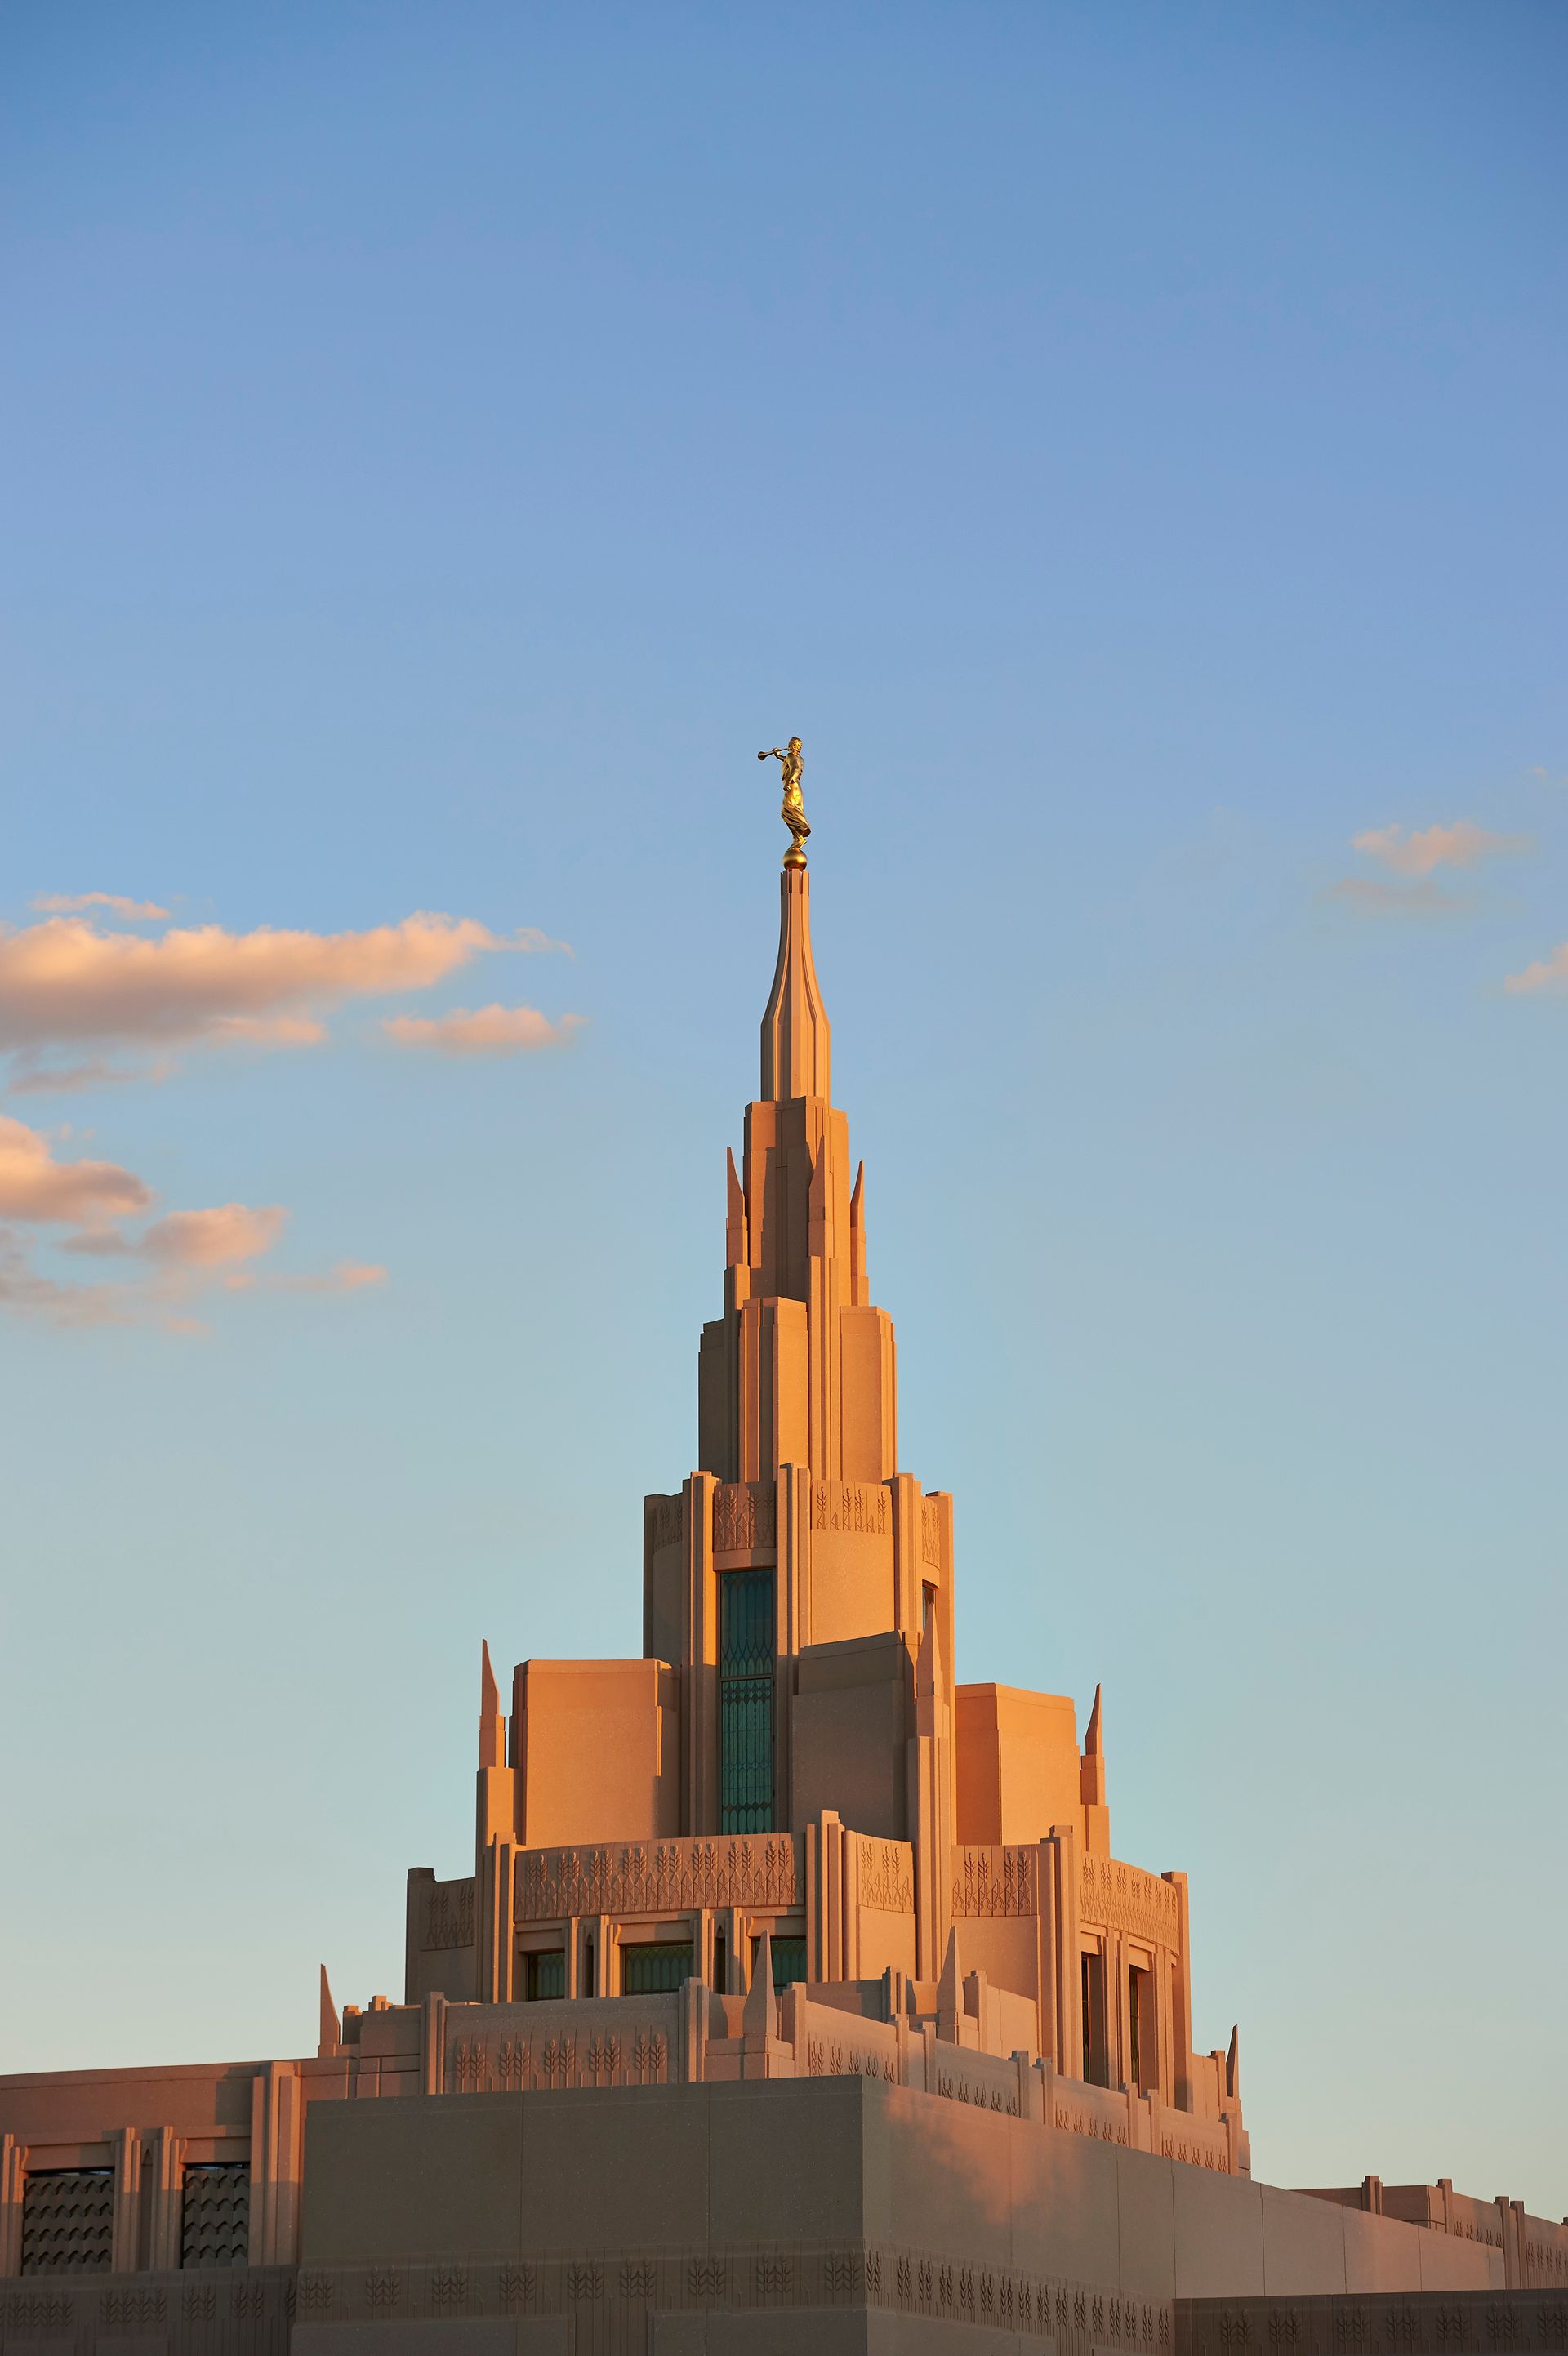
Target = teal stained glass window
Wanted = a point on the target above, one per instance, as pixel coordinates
(545, 1975)
(746, 1701)
(789, 1960)
(655, 1967)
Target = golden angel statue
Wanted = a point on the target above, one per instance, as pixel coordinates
(794, 810)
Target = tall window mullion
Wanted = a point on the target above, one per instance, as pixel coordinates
(746, 1701)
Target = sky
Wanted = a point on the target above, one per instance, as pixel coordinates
(443, 443)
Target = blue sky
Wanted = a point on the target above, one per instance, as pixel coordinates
(1127, 445)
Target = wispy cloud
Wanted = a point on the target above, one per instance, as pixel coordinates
(1371, 896)
(34, 1186)
(28, 1078)
(214, 1238)
(69, 903)
(177, 1258)
(348, 1276)
(69, 980)
(1546, 973)
(1416, 857)
(1463, 844)
(483, 1031)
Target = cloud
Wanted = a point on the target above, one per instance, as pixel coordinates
(483, 1031)
(348, 1276)
(27, 1078)
(34, 1186)
(22, 1287)
(268, 1030)
(177, 1257)
(69, 979)
(1463, 844)
(1546, 973)
(1372, 897)
(213, 1239)
(70, 904)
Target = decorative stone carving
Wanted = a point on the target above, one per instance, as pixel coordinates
(859, 1505)
(123, 2308)
(449, 1915)
(990, 1880)
(931, 1533)
(662, 1520)
(1117, 1897)
(887, 1871)
(659, 1877)
(746, 1516)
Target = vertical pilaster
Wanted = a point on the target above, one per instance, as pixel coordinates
(792, 1585)
(276, 2121)
(693, 2056)
(1181, 2001)
(1062, 1851)
(600, 1931)
(909, 1576)
(825, 1897)
(493, 1922)
(126, 2150)
(929, 1802)
(433, 2045)
(699, 1716)
(851, 1905)
(163, 2196)
(13, 2186)
(1048, 1938)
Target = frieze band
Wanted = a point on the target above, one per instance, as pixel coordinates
(659, 1877)
(1119, 1897)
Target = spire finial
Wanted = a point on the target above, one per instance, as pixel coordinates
(795, 1034)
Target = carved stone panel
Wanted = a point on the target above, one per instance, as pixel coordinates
(991, 1879)
(449, 1915)
(858, 1506)
(746, 1516)
(747, 1870)
(1117, 1897)
(886, 1874)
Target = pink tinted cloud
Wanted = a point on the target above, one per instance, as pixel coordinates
(69, 980)
(34, 1186)
(70, 904)
(1463, 844)
(348, 1276)
(22, 1287)
(215, 1239)
(482, 1031)
(1546, 973)
(1372, 896)
(29, 1079)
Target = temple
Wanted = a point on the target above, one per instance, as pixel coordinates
(795, 1999)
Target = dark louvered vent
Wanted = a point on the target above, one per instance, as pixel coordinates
(68, 2221)
(216, 2223)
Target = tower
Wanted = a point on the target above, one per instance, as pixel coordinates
(794, 1578)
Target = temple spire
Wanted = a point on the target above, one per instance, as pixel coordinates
(795, 1034)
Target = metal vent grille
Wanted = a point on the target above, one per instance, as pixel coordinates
(68, 2221)
(215, 2225)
